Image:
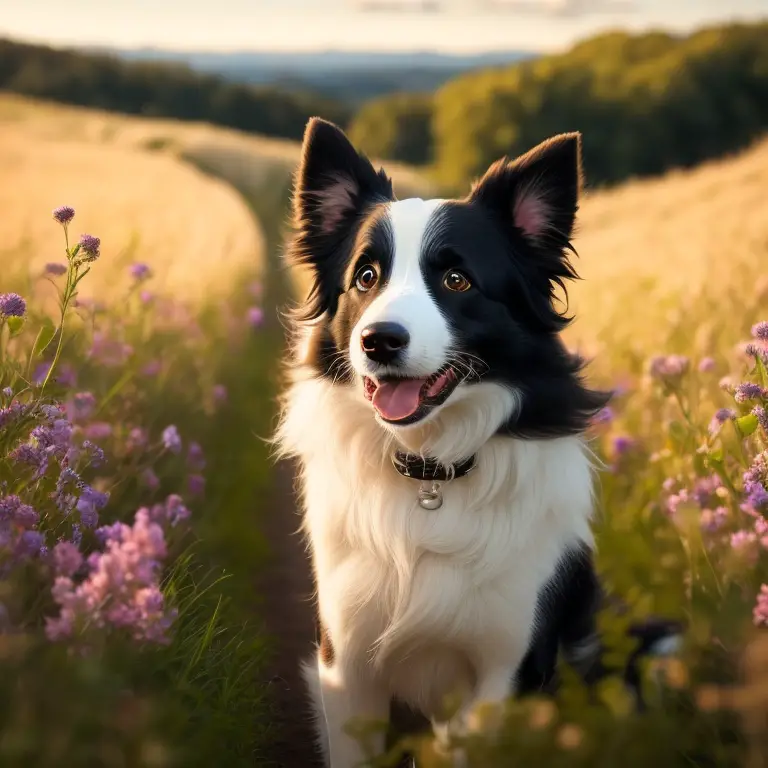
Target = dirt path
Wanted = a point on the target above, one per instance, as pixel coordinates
(289, 616)
(285, 584)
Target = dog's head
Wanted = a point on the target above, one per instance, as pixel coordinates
(423, 304)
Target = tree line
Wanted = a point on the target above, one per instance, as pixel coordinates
(644, 103)
(158, 90)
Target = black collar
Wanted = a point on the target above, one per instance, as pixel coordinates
(419, 468)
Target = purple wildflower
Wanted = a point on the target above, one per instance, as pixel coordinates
(622, 444)
(25, 516)
(255, 317)
(83, 406)
(146, 297)
(95, 454)
(747, 391)
(152, 368)
(89, 248)
(707, 365)
(98, 430)
(67, 481)
(758, 351)
(31, 455)
(55, 268)
(175, 510)
(77, 534)
(140, 272)
(196, 485)
(713, 520)
(121, 590)
(720, 417)
(604, 416)
(171, 439)
(8, 507)
(760, 612)
(11, 414)
(669, 369)
(761, 414)
(219, 393)
(109, 352)
(757, 496)
(12, 305)
(760, 330)
(30, 543)
(66, 558)
(55, 438)
(742, 540)
(8, 392)
(137, 439)
(705, 490)
(64, 214)
(676, 499)
(149, 479)
(89, 504)
(64, 375)
(195, 456)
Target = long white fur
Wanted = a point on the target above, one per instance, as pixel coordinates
(419, 604)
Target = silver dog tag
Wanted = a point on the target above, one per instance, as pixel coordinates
(430, 496)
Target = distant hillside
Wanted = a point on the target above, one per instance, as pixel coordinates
(351, 77)
(167, 89)
(645, 103)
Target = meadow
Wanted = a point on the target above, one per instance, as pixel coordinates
(135, 487)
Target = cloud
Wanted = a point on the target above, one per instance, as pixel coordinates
(561, 8)
(400, 6)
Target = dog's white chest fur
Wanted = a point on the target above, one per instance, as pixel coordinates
(428, 601)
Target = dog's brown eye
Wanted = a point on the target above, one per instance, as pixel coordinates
(456, 281)
(366, 278)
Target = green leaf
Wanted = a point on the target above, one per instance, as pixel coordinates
(747, 424)
(15, 324)
(761, 369)
(716, 455)
(44, 337)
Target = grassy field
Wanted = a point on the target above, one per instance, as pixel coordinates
(674, 265)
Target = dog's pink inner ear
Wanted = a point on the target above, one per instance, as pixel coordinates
(530, 212)
(335, 201)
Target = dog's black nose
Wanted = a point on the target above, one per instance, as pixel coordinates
(383, 342)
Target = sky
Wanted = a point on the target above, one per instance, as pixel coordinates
(456, 26)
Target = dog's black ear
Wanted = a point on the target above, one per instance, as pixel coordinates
(538, 194)
(334, 182)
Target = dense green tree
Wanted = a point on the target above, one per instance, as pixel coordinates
(395, 127)
(160, 90)
(644, 103)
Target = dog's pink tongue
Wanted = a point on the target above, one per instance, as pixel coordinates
(395, 400)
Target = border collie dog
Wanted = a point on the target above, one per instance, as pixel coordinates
(438, 422)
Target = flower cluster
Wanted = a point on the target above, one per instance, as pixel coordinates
(728, 492)
(69, 445)
(120, 587)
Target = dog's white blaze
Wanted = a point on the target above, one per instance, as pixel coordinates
(422, 604)
(406, 299)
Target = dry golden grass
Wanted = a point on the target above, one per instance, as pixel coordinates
(685, 254)
(144, 206)
(653, 254)
(127, 178)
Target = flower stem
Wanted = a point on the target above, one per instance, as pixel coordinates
(65, 299)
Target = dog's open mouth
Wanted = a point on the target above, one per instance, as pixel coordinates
(405, 401)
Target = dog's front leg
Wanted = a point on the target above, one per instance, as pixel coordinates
(351, 711)
(481, 716)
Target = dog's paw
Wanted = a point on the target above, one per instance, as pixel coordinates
(484, 719)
